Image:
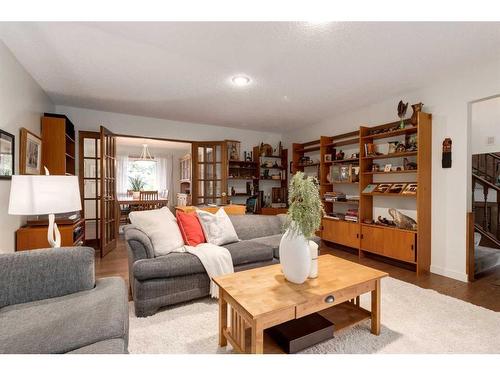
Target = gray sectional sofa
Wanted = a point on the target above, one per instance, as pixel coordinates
(180, 277)
(51, 303)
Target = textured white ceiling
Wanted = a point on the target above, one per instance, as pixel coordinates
(180, 71)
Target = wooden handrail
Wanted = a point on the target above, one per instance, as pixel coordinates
(487, 234)
(495, 156)
(485, 182)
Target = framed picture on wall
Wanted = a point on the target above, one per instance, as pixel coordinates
(7, 152)
(30, 160)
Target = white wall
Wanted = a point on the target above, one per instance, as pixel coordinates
(448, 100)
(87, 119)
(485, 123)
(22, 103)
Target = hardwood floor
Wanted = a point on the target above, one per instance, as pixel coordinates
(484, 292)
(114, 263)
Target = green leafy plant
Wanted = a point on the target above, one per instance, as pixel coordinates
(136, 183)
(306, 209)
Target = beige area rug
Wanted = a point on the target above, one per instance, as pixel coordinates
(414, 320)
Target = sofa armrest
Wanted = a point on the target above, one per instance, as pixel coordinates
(46, 273)
(139, 245)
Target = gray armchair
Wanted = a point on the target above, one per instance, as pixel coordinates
(50, 302)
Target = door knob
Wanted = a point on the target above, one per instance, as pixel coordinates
(329, 299)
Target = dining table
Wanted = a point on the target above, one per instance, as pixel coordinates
(129, 200)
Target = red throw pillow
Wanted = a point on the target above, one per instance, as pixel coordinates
(190, 228)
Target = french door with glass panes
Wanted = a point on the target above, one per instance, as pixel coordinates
(109, 207)
(90, 184)
(209, 173)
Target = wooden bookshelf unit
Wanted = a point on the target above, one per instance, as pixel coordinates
(340, 231)
(58, 144)
(412, 247)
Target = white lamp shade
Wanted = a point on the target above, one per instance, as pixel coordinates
(41, 195)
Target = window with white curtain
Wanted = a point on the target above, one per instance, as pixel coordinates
(146, 170)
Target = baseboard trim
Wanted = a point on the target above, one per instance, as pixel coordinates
(449, 273)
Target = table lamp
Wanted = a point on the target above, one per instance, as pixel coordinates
(42, 195)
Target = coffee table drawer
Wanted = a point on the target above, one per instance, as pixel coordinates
(325, 301)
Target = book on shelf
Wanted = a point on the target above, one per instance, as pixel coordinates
(396, 188)
(382, 188)
(337, 216)
(410, 189)
(352, 214)
(334, 196)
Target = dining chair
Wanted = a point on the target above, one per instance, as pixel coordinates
(149, 196)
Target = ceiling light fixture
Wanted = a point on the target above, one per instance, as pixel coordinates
(145, 154)
(240, 80)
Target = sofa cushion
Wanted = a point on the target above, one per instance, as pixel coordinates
(180, 264)
(217, 227)
(254, 226)
(161, 227)
(28, 276)
(171, 265)
(62, 324)
(190, 227)
(274, 242)
(244, 252)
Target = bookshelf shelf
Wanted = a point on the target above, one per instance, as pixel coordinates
(390, 156)
(392, 172)
(353, 160)
(390, 134)
(390, 195)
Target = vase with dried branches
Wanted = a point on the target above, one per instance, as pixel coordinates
(303, 220)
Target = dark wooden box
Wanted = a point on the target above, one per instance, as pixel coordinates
(299, 334)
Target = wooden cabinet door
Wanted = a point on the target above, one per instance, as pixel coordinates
(341, 232)
(400, 245)
(393, 243)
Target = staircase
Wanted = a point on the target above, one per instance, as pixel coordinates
(486, 175)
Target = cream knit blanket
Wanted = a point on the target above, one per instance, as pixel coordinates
(217, 261)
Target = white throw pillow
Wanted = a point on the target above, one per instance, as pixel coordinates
(217, 227)
(161, 227)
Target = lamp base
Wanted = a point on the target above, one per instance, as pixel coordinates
(53, 234)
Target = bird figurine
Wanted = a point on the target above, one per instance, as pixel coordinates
(402, 221)
(416, 109)
(402, 107)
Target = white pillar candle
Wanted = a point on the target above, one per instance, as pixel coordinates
(313, 247)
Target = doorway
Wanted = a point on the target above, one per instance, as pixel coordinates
(163, 171)
(484, 220)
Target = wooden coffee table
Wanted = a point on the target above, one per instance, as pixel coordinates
(261, 298)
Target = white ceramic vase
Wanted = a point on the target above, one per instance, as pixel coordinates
(295, 257)
(136, 194)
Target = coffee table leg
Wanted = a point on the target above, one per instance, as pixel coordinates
(376, 309)
(222, 318)
(257, 339)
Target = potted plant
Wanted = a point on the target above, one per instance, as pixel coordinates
(303, 220)
(136, 185)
